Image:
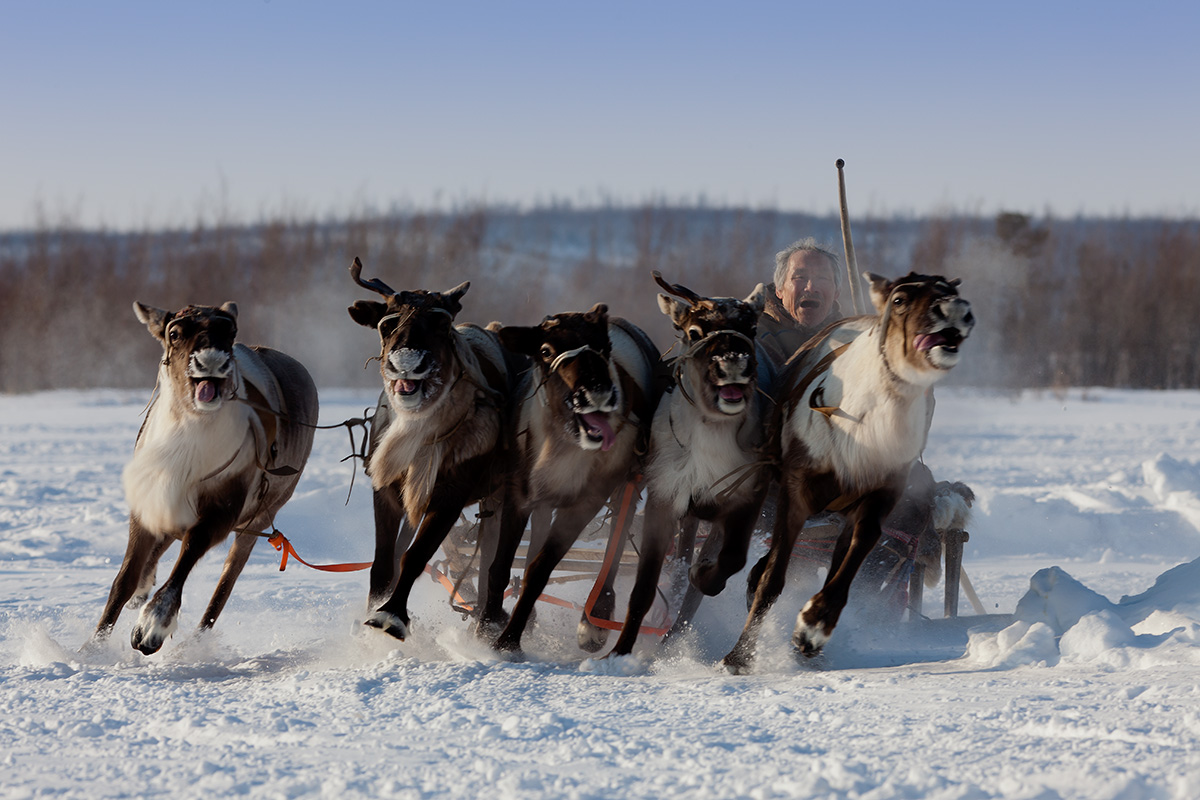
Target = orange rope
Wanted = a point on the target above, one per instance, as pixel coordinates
(281, 543)
(610, 556)
(284, 546)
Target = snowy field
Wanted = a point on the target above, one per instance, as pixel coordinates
(1082, 682)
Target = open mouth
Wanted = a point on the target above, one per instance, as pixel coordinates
(731, 394)
(406, 388)
(596, 429)
(809, 303)
(206, 391)
(947, 339)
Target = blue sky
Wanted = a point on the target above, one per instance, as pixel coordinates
(136, 114)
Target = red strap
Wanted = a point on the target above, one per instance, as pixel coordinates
(901, 536)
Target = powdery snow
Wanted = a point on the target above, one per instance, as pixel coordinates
(1083, 681)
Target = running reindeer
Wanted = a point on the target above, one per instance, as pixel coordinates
(706, 460)
(584, 411)
(221, 449)
(853, 405)
(436, 435)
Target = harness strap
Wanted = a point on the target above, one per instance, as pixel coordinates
(797, 391)
(281, 543)
(266, 415)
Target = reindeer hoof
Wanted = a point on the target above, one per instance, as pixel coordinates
(389, 624)
(591, 637)
(151, 631)
(508, 646)
(148, 642)
(491, 627)
(808, 637)
(736, 663)
(509, 650)
(707, 578)
(806, 645)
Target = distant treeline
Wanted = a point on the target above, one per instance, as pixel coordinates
(1060, 302)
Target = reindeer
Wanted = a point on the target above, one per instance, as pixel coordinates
(706, 443)
(853, 419)
(436, 435)
(221, 449)
(584, 410)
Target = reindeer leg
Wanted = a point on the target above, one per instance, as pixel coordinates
(657, 532)
(568, 522)
(816, 621)
(789, 521)
(159, 617)
(492, 617)
(711, 577)
(150, 575)
(687, 537)
(540, 520)
(239, 553)
(445, 506)
(389, 520)
(141, 555)
(691, 595)
(488, 537)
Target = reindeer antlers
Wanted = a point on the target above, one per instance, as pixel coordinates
(375, 285)
(677, 290)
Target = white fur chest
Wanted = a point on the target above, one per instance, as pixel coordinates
(875, 429)
(692, 458)
(417, 447)
(163, 479)
(409, 445)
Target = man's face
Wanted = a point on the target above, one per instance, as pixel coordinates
(809, 290)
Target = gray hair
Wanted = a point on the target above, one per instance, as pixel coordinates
(808, 245)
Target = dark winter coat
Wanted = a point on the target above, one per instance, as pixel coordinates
(780, 334)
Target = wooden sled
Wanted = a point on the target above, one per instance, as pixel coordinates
(820, 536)
(603, 551)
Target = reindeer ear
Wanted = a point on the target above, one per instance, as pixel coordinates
(367, 313)
(880, 289)
(453, 298)
(230, 308)
(596, 313)
(757, 299)
(520, 339)
(675, 309)
(155, 319)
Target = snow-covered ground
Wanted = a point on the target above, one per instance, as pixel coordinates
(1085, 529)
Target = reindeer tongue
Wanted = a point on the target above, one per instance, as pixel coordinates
(732, 392)
(404, 387)
(597, 425)
(927, 341)
(206, 392)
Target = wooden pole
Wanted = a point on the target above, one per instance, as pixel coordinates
(848, 243)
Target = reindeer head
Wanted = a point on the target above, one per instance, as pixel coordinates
(198, 369)
(416, 335)
(719, 357)
(573, 355)
(923, 322)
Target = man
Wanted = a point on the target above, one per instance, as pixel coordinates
(802, 300)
